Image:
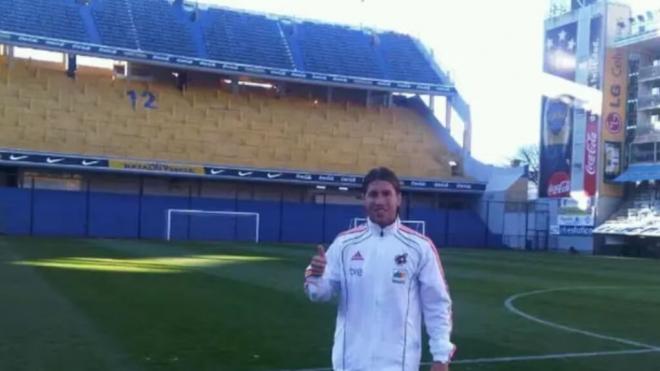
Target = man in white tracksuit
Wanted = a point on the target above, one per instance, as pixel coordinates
(387, 277)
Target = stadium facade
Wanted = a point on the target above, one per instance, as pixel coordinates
(598, 141)
(213, 109)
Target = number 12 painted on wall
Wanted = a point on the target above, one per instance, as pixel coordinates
(149, 101)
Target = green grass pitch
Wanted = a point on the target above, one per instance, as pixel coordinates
(70, 304)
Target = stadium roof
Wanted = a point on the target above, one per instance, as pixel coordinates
(224, 40)
(640, 172)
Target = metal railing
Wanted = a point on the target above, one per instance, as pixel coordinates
(647, 102)
(649, 73)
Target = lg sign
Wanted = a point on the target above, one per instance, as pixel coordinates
(613, 120)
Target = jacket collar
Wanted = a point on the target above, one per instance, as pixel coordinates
(383, 231)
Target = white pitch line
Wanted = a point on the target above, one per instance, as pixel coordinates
(539, 357)
(553, 356)
(509, 305)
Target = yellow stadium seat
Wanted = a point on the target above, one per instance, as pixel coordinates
(42, 109)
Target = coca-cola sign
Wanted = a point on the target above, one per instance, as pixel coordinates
(559, 184)
(591, 150)
(591, 155)
(556, 146)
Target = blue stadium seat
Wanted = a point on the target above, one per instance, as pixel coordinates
(51, 18)
(162, 26)
(404, 60)
(114, 24)
(245, 38)
(160, 29)
(338, 50)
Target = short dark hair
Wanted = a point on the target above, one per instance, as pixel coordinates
(381, 173)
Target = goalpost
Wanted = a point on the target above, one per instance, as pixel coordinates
(172, 212)
(417, 225)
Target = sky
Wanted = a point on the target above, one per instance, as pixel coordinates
(493, 50)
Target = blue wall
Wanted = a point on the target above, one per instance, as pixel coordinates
(436, 222)
(15, 210)
(59, 213)
(112, 215)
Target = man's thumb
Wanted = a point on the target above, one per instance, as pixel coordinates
(320, 250)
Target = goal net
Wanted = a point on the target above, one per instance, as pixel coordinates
(416, 225)
(211, 225)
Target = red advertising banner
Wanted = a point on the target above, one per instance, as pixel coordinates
(591, 155)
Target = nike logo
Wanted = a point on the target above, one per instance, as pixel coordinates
(244, 173)
(273, 176)
(17, 158)
(216, 172)
(54, 160)
(87, 163)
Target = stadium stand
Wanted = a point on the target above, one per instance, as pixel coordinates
(114, 23)
(150, 16)
(93, 115)
(324, 47)
(404, 59)
(638, 216)
(51, 18)
(244, 38)
(225, 35)
(106, 152)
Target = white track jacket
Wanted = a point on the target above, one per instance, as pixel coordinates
(386, 280)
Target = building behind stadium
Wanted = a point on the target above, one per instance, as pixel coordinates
(600, 110)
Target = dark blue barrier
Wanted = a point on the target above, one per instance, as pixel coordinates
(338, 218)
(63, 213)
(114, 215)
(59, 213)
(154, 214)
(302, 223)
(206, 227)
(269, 219)
(435, 219)
(495, 240)
(15, 208)
(466, 229)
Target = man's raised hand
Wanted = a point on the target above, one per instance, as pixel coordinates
(317, 267)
